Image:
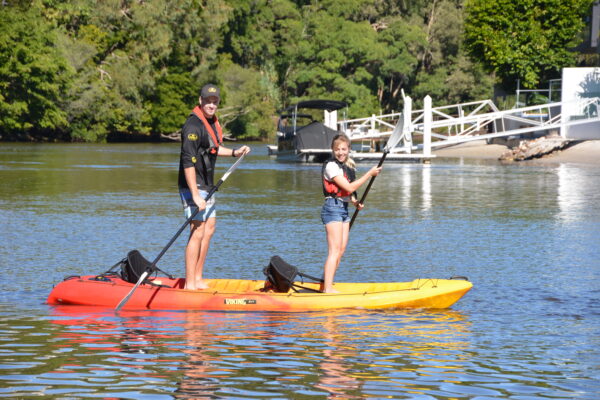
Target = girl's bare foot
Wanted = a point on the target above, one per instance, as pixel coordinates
(201, 285)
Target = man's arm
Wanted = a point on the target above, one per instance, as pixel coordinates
(189, 136)
(225, 152)
(190, 179)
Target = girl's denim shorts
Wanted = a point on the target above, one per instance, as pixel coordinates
(334, 210)
(189, 206)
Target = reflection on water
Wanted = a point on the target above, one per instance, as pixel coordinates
(575, 191)
(207, 355)
(200, 375)
(525, 235)
(426, 185)
(214, 355)
(335, 376)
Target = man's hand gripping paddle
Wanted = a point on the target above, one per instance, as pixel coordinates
(391, 143)
(164, 250)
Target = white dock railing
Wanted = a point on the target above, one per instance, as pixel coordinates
(459, 123)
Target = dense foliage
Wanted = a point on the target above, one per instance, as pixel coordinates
(530, 40)
(82, 70)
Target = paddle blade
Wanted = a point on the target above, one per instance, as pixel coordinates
(391, 143)
(396, 134)
(126, 298)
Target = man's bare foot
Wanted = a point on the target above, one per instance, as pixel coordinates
(331, 290)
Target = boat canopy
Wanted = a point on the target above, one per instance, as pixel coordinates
(314, 136)
(329, 105)
(298, 115)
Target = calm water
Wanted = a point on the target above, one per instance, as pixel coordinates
(527, 236)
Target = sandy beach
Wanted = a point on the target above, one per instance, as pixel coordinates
(585, 152)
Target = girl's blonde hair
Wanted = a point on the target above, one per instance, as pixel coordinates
(343, 138)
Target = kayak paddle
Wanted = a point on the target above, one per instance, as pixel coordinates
(391, 143)
(164, 250)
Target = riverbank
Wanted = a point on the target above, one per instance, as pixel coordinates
(585, 152)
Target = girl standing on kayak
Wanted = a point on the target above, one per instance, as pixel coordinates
(339, 184)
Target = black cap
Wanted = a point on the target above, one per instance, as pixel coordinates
(210, 90)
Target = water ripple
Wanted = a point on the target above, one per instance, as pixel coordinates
(526, 236)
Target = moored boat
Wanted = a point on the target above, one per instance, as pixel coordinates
(250, 295)
(301, 137)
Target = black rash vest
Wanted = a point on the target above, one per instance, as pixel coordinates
(195, 152)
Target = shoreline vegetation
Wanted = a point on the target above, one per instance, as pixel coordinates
(578, 152)
(117, 137)
(81, 70)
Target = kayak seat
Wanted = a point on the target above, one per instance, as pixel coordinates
(281, 276)
(134, 266)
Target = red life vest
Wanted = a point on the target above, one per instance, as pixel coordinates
(330, 188)
(217, 141)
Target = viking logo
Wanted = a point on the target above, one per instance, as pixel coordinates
(194, 160)
(192, 136)
(239, 301)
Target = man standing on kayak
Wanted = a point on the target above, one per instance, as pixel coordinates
(201, 143)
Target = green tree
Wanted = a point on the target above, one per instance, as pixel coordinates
(405, 44)
(129, 40)
(264, 36)
(424, 55)
(445, 71)
(135, 67)
(172, 96)
(530, 40)
(248, 107)
(336, 59)
(34, 75)
(139, 64)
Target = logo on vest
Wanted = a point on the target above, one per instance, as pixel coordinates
(192, 136)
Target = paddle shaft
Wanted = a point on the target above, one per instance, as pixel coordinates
(364, 196)
(186, 223)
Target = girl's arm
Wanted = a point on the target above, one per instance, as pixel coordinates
(351, 187)
(356, 203)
